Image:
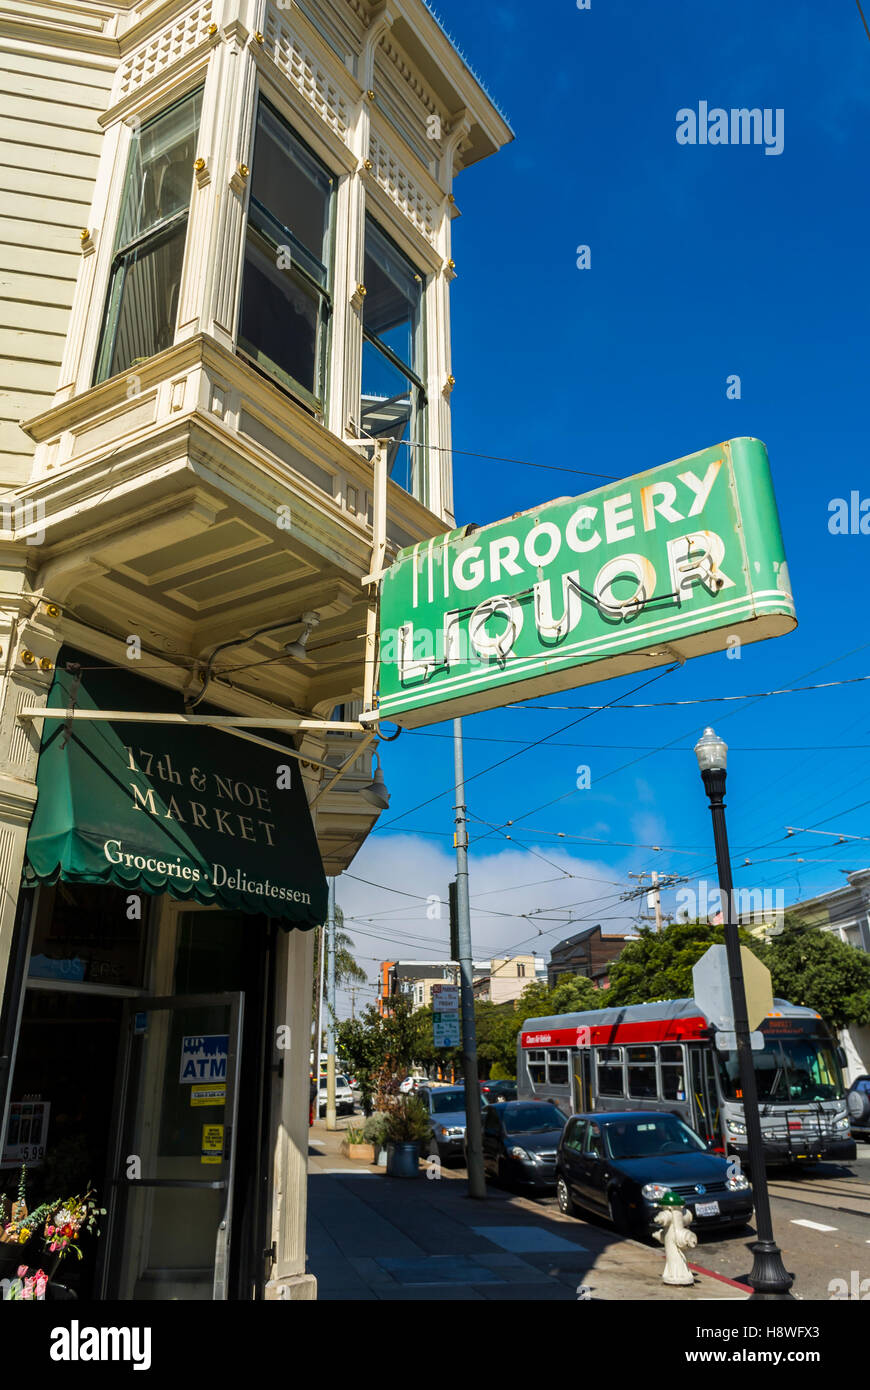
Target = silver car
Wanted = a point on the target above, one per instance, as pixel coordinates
(446, 1107)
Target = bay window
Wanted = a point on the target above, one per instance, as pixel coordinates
(286, 301)
(142, 303)
(393, 364)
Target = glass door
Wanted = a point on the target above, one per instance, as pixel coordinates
(170, 1219)
(704, 1098)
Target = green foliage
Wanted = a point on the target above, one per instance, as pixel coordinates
(355, 1134)
(817, 969)
(659, 965)
(375, 1130)
(407, 1121)
(500, 1073)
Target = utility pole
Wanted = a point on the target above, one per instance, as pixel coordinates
(654, 892)
(330, 1005)
(473, 1128)
(318, 1040)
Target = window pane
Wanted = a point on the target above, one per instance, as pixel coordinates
(642, 1082)
(144, 302)
(673, 1083)
(610, 1081)
(393, 407)
(671, 1053)
(642, 1054)
(394, 298)
(537, 1067)
(160, 171)
(292, 186)
(558, 1073)
(280, 320)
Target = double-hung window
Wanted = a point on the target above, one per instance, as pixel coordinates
(142, 304)
(394, 364)
(286, 303)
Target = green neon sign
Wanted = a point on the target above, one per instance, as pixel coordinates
(677, 562)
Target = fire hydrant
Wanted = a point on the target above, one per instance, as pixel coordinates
(675, 1237)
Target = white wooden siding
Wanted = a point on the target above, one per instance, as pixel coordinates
(49, 148)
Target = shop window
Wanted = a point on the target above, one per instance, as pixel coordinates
(642, 1073)
(393, 366)
(286, 303)
(89, 934)
(142, 303)
(557, 1068)
(537, 1064)
(610, 1071)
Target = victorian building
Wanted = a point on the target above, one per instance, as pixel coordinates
(226, 278)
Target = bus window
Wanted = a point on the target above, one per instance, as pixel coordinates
(610, 1071)
(673, 1073)
(642, 1073)
(557, 1068)
(537, 1063)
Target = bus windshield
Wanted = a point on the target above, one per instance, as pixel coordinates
(789, 1070)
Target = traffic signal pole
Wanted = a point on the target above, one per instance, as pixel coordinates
(473, 1128)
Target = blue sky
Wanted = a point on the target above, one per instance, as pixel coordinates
(706, 261)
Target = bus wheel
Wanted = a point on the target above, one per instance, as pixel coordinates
(563, 1196)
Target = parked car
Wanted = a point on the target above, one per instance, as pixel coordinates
(446, 1106)
(344, 1098)
(858, 1103)
(620, 1164)
(498, 1091)
(520, 1138)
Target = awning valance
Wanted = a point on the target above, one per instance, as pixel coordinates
(194, 812)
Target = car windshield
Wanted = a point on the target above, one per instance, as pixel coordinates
(651, 1136)
(533, 1119)
(446, 1102)
(787, 1070)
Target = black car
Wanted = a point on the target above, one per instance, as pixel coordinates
(519, 1141)
(620, 1164)
(498, 1091)
(858, 1103)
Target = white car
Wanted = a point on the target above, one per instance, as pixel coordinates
(344, 1098)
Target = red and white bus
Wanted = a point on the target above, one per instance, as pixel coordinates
(665, 1056)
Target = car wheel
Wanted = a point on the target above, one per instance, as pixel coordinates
(564, 1198)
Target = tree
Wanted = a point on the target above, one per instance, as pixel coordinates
(816, 969)
(659, 964)
(380, 1050)
(347, 968)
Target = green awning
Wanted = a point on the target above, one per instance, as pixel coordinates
(163, 808)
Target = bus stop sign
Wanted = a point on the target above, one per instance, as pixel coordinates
(712, 988)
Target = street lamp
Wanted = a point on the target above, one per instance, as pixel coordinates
(769, 1277)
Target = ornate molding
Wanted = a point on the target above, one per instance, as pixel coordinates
(311, 80)
(389, 173)
(163, 50)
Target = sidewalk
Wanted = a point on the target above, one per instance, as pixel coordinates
(373, 1237)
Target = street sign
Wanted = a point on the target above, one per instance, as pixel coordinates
(445, 998)
(712, 987)
(681, 560)
(445, 1028)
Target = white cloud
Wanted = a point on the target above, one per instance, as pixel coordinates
(504, 884)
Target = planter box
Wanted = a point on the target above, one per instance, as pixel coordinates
(364, 1152)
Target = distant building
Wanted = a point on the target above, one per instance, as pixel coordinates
(844, 912)
(589, 953)
(415, 978)
(508, 976)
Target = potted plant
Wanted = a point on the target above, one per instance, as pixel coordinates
(355, 1146)
(374, 1133)
(407, 1129)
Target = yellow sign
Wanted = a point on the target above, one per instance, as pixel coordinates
(208, 1095)
(212, 1144)
(759, 989)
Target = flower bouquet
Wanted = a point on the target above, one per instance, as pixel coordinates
(55, 1226)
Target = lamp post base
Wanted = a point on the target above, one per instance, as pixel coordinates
(769, 1278)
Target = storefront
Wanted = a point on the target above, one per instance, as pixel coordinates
(153, 1020)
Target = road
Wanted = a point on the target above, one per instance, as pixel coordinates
(821, 1222)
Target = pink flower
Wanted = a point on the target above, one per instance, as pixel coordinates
(22, 1270)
